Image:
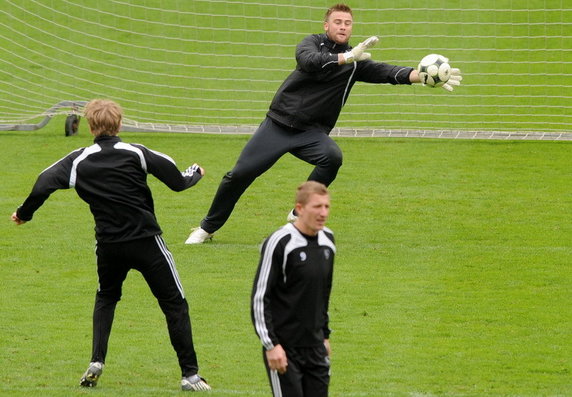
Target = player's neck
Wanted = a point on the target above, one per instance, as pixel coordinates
(304, 229)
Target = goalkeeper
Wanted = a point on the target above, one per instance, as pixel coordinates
(304, 111)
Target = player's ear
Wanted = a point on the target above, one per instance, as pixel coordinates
(298, 208)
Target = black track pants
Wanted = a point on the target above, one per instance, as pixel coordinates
(308, 373)
(151, 257)
(270, 142)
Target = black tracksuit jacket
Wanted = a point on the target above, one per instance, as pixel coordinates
(111, 176)
(291, 291)
(313, 95)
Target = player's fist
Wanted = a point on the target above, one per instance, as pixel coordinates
(194, 169)
(17, 220)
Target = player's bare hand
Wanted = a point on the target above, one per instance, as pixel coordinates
(328, 347)
(277, 360)
(17, 220)
(201, 169)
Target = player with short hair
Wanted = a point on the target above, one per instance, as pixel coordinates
(111, 176)
(304, 111)
(290, 297)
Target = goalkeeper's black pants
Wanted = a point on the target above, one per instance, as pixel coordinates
(307, 374)
(151, 257)
(268, 144)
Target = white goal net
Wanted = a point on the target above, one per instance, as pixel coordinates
(214, 65)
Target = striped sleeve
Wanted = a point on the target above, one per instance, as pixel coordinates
(56, 176)
(163, 167)
(268, 274)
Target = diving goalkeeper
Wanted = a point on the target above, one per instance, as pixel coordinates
(304, 111)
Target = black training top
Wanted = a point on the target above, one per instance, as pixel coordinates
(111, 176)
(291, 291)
(313, 95)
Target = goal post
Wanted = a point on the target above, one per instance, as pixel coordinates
(68, 108)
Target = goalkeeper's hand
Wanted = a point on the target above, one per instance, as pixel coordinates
(454, 79)
(358, 53)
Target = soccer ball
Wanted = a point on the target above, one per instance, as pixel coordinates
(434, 70)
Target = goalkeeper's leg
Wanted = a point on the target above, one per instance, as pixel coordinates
(270, 142)
(317, 148)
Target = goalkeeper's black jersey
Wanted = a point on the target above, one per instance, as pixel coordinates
(292, 287)
(111, 176)
(313, 95)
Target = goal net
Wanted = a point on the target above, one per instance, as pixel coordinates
(214, 65)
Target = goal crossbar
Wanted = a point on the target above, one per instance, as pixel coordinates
(128, 125)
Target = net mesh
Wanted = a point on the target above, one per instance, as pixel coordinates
(212, 66)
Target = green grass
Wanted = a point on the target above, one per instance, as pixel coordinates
(452, 275)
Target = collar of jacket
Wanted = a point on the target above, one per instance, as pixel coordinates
(333, 46)
(108, 138)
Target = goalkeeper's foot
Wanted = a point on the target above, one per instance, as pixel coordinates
(194, 383)
(91, 375)
(198, 236)
(292, 216)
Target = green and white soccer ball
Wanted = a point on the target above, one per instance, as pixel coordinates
(434, 70)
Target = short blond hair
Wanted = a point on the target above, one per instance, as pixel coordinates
(337, 7)
(306, 189)
(103, 116)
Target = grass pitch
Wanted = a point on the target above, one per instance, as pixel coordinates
(452, 276)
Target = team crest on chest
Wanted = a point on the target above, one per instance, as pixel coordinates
(326, 253)
(303, 256)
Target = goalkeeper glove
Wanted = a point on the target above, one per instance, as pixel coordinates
(454, 79)
(358, 53)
